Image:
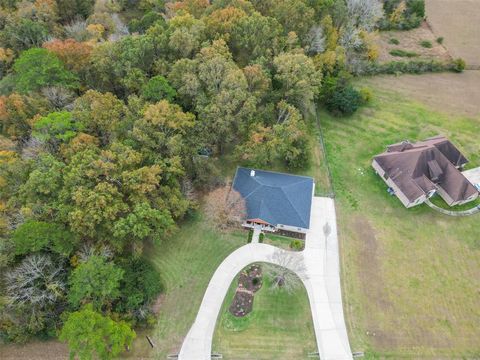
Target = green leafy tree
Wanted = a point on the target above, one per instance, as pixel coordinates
(144, 222)
(56, 127)
(298, 77)
(22, 33)
(95, 210)
(162, 129)
(43, 185)
(141, 285)
(339, 96)
(158, 88)
(113, 62)
(256, 36)
(37, 68)
(219, 91)
(95, 281)
(69, 10)
(292, 140)
(91, 335)
(99, 114)
(293, 15)
(33, 236)
(186, 35)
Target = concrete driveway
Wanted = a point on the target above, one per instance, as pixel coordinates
(473, 175)
(321, 279)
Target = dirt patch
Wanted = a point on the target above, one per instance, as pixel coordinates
(373, 284)
(249, 282)
(411, 41)
(456, 94)
(156, 306)
(35, 350)
(458, 21)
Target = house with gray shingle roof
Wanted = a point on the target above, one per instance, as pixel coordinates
(275, 201)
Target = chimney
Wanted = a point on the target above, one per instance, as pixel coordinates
(252, 173)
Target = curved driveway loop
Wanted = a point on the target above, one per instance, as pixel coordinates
(321, 280)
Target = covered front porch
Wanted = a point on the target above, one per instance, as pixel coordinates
(259, 224)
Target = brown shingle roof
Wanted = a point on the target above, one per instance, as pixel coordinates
(424, 166)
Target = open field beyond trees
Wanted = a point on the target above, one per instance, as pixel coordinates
(453, 94)
(411, 41)
(411, 277)
(461, 34)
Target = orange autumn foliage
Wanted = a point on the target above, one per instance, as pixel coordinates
(75, 55)
(193, 7)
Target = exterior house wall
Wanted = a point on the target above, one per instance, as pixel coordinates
(292, 228)
(250, 225)
(450, 201)
(278, 227)
(398, 193)
(445, 196)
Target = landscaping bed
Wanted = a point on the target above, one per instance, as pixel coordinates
(283, 242)
(249, 282)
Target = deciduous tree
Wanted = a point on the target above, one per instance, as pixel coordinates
(89, 335)
(298, 77)
(100, 114)
(225, 208)
(37, 68)
(95, 281)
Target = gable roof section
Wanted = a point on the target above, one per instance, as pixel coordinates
(424, 166)
(276, 198)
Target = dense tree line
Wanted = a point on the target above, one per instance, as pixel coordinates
(103, 137)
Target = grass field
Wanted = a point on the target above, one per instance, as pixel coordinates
(461, 34)
(186, 264)
(279, 327)
(410, 277)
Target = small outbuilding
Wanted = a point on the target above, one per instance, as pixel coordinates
(416, 171)
(275, 201)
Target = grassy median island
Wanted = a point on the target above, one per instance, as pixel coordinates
(279, 327)
(410, 276)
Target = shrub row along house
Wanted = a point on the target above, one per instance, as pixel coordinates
(275, 201)
(416, 171)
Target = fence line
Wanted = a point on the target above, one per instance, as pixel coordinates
(321, 139)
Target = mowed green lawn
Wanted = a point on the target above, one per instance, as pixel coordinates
(411, 278)
(186, 263)
(279, 327)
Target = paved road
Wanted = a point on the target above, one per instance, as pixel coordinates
(321, 278)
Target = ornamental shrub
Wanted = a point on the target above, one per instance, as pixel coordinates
(261, 237)
(458, 65)
(426, 44)
(250, 236)
(366, 95)
(403, 53)
(296, 244)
